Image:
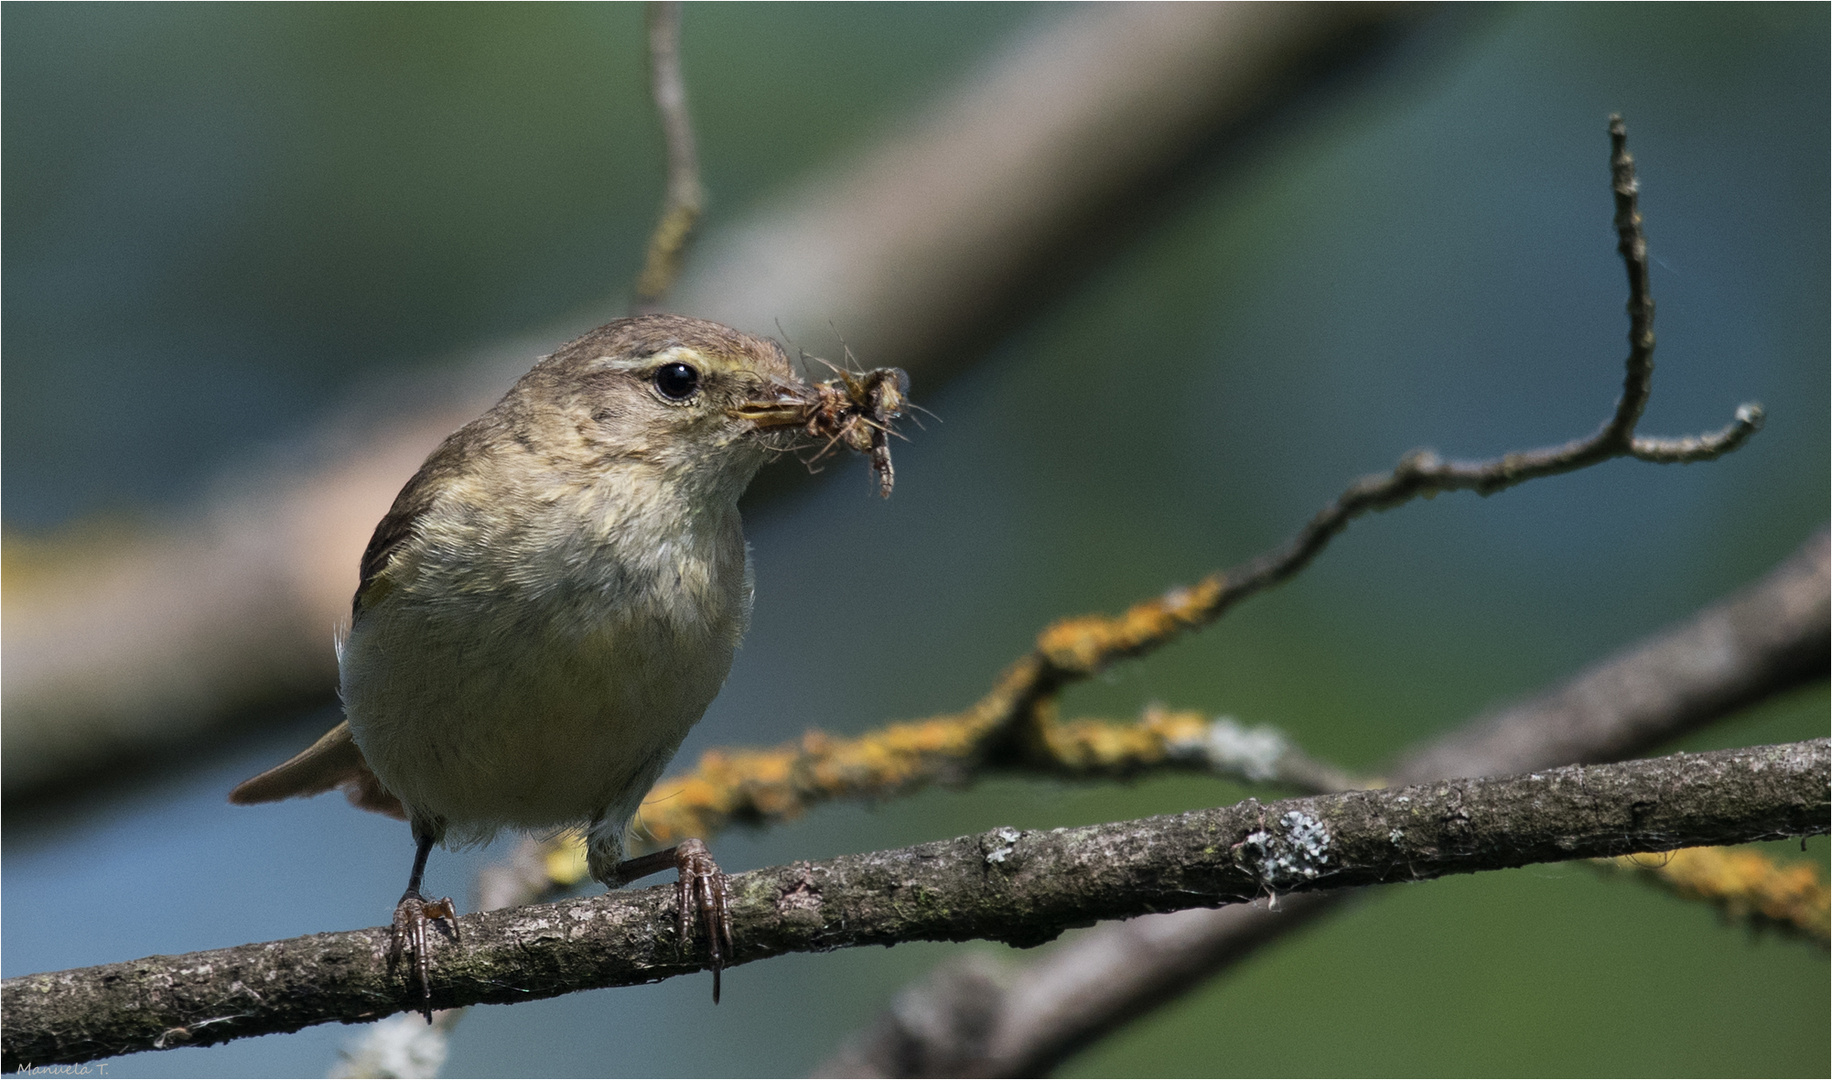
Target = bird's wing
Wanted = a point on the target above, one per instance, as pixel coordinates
(332, 762)
(393, 532)
(443, 467)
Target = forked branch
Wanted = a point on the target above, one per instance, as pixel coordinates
(1016, 723)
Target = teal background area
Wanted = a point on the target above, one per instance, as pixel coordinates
(223, 223)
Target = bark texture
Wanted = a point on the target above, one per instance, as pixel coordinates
(1006, 885)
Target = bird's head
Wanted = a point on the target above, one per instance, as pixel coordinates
(691, 400)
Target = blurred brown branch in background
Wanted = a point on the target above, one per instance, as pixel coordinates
(918, 252)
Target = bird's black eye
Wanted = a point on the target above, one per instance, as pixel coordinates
(677, 381)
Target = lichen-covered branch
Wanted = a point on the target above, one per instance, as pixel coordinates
(757, 786)
(1747, 886)
(1005, 885)
(763, 786)
(685, 195)
(962, 1020)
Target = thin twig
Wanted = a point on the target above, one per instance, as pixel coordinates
(685, 195)
(1005, 885)
(1080, 648)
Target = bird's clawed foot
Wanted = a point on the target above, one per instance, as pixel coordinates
(411, 917)
(701, 888)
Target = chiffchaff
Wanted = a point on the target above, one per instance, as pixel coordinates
(554, 599)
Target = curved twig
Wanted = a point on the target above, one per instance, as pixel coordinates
(685, 195)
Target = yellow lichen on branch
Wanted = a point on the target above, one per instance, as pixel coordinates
(1746, 885)
(772, 785)
(1101, 747)
(758, 786)
(781, 783)
(1086, 643)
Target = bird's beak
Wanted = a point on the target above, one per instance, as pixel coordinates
(784, 407)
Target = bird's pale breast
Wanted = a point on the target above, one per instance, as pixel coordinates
(542, 674)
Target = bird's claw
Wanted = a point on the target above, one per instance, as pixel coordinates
(411, 917)
(702, 888)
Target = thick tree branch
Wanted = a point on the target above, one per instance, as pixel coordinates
(1765, 640)
(1005, 885)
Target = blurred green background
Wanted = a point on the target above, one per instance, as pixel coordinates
(223, 222)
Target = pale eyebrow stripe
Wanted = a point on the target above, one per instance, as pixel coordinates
(625, 363)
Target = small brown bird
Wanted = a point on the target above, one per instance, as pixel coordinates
(552, 603)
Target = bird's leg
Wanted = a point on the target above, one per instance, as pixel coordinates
(700, 888)
(411, 916)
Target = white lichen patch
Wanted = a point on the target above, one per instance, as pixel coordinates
(1394, 836)
(1007, 839)
(1298, 850)
(1251, 752)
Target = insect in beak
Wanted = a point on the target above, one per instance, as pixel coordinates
(853, 411)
